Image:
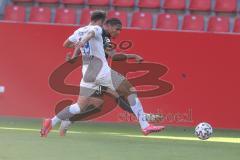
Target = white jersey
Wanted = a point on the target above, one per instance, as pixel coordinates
(94, 47)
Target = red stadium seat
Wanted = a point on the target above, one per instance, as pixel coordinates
(200, 5)
(15, 13)
(123, 3)
(65, 16)
(40, 14)
(142, 20)
(119, 14)
(167, 21)
(193, 22)
(174, 4)
(20, 1)
(149, 4)
(226, 6)
(98, 2)
(47, 1)
(218, 24)
(80, 2)
(237, 25)
(85, 16)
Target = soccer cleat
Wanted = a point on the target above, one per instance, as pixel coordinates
(153, 117)
(46, 127)
(151, 128)
(64, 127)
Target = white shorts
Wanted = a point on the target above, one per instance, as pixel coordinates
(111, 80)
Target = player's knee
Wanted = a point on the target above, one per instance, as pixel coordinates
(132, 99)
(74, 108)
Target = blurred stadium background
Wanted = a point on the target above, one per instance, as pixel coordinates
(200, 15)
(197, 40)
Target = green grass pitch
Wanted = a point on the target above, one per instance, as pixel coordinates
(19, 140)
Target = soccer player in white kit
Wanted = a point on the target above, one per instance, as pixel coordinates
(96, 72)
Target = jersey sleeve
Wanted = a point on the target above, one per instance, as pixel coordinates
(74, 37)
(97, 30)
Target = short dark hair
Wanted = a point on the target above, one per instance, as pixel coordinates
(98, 15)
(113, 21)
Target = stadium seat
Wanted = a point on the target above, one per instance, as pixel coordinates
(200, 5)
(167, 21)
(47, 1)
(80, 2)
(40, 14)
(20, 1)
(237, 25)
(119, 14)
(218, 24)
(85, 16)
(174, 4)
(149, 4)
(123, 3)
(226, 6)
(65, 16)
(14, 13)
(142, 20)
(98, 2)
(193, 22)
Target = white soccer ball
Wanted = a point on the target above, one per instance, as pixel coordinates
(203, 131)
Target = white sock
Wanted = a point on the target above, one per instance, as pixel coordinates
(55, 120)
(138, 111)
(72, 110)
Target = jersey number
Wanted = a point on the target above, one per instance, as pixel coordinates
(86, 49)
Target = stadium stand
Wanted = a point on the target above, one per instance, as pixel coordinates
(102, 4)
(15, 13)
(123, 3)
(76, 2)
(174, 4)
(218, 24)
(149, 4)
(237, 25)
(226, 6)
(85, 16)
(194, 15)
(200, 5)
(122, 15)
(167, 21)
(40, 14)
(47, 1)
(22, 1)
(142, 20)
(65, 16)
(193, 22)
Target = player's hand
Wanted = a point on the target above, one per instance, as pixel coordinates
(71, 58)
(68, 57)
(138, 59)
(79, 44)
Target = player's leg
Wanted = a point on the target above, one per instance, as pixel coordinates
(64, 114)
(125, 89)
(124, 104)
(150, 117)
(94, 106)
(70, 111)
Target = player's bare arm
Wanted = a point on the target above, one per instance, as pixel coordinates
(68, 44)
(76, 53)
(119, 56)
(124, 56)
